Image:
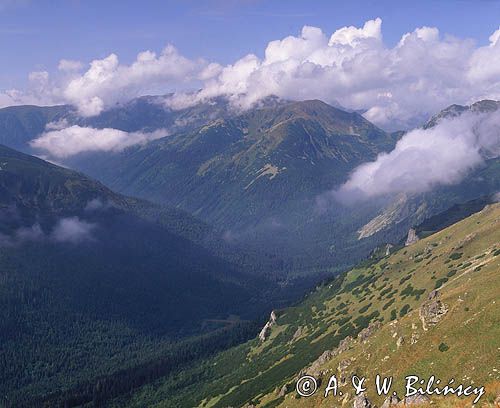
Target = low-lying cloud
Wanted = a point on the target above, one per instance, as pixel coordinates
(73, 140)
(73, 230)
(22, 235)
(397, 86)
(426, 158)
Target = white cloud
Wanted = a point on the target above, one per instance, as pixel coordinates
(69, 229)
(423, 159)
(68, 141)
(107, 82)
(484, 64)
(41, 91)
(69, 65)
(33, 233)
(397, 86)
(72, 230)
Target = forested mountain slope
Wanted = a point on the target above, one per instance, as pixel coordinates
(92, 281)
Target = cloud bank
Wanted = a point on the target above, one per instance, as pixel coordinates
(425, 158)
(68, 141)
(400, 85)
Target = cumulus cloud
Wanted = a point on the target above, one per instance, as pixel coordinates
(425, 158)
(396, 86)
(40, 91)
(62, 142)
(73, 230)
(107, 82)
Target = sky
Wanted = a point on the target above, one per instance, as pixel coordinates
(232, 48)
(35, 35)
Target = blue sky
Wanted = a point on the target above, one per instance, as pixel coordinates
(398, 61)
(35, 35)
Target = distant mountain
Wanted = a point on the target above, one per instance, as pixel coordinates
(409, 210)
(424, 310)
(20, 124)
(258, 175)
(92, 281)
(239, 170)
(452, 215)
(456, 110)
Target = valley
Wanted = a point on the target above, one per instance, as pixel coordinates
(249, 204)
(158, 300)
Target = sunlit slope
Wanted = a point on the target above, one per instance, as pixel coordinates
(462, 261)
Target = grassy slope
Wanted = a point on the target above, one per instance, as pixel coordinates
(253, 372)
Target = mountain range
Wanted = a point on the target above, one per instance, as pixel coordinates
(124, 279)
(259, 176)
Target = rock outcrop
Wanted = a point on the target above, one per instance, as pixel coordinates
(400, 341)
(266, 330)
(315, 368)
(283, 390)
(362, 402)
(297, 333)
(412, 237)
(391, 401)
(432, 311)
(366, 333)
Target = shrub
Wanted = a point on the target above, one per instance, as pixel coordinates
(364, 308)
(389, 303)
(404, 310)
(404, 279)
(440, 282)
(443, 347)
